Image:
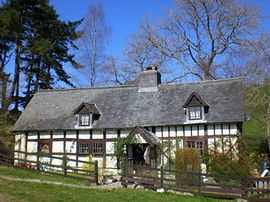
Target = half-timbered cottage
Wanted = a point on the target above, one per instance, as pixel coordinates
(83, 121)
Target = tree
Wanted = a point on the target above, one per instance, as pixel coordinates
(92, 43)
(198, 34)
(7, 39)
(258, 106)
(140, 53)
(41, 42)
(251, 62)
(118, 72)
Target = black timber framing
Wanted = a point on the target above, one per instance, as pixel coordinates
(77, 148)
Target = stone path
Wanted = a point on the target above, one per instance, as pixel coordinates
(106, 186)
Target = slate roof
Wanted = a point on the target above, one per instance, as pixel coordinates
(125, 107)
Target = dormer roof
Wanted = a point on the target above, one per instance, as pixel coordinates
(86, 108)
(195, 100)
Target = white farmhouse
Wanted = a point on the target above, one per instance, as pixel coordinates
(83, 121)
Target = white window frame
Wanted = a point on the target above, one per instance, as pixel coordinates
(197, 114)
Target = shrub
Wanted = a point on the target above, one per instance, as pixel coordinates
(224, 165)
(186, 160)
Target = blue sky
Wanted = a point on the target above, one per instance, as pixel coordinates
(123, 16)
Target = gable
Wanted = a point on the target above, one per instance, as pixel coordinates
(195, 100)
(86, 108)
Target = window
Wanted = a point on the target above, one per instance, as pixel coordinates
(85, 119)
(197, 144)
(83, 148)
(90, 147)
(195, 113)
(45, 146)
(97, 148)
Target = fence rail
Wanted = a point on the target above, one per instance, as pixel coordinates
(203, 184)
(45, 164)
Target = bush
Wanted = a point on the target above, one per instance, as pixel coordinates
(186, 160)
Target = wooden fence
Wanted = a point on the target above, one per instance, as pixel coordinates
(210, 185)
(20, 159)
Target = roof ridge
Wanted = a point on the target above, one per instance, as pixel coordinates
(205, 81)
(86, 88)
(136, 85)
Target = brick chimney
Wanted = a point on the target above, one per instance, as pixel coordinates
(150, 78)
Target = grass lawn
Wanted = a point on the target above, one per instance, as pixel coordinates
(25, 191)
(28, 191)
(28, 174)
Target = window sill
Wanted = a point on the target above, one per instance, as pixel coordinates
(195, 121)
(83, 127)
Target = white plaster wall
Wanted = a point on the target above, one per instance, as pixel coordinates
(32, 158)
(124, 133)
(45, 135)
(218, 129)
(219, 144)
(165, 131)
(71, 134)
(233, 128)
(233, 140)
(57, 161)
(111, 134)
(57, 146)
(32, 136)
(109, 147)
(211, 142)
(226, 129)
(71, 163)
(111, 162)
(58, 134)
(194, 131)
(32, 147)
(226, 143)
(71, 146)
(158, 132)
(84, 134)
(187, 131)
(180, 131)
(84, 158)
(210, 130)
(97, 134)
(32, 133)
(20, 142)
(201, 130)
(172, 131)
(100, 161)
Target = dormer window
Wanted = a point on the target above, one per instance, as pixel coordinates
(195, 113)
(195, 107)
(86, 115)
(85, 119)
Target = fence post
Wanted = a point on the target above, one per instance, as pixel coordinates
(65, 164)
(96, 172)
(199, 182)
(161, 177)
(244, 188)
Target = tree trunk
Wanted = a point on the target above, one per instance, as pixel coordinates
(17, 74)
(4, 79)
